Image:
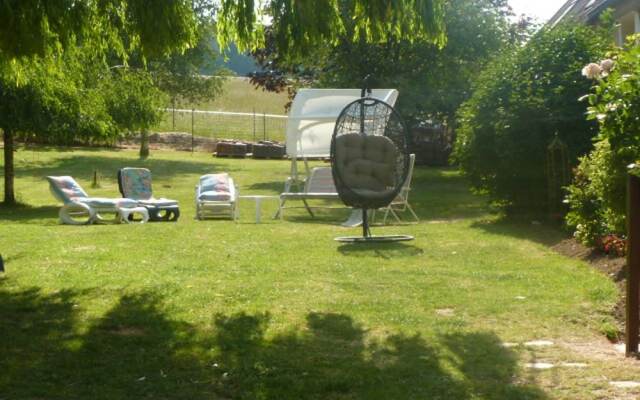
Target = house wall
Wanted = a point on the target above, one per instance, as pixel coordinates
(627, 14)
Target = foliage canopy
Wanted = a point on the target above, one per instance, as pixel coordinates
(35, 27)
(300, 27)
(433, 80)
(35, 35)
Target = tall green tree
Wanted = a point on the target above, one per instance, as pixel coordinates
(51, 102)
(36, 27)
(39, 41)
(300, 27)
(134, 103)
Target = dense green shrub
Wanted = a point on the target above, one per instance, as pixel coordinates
(519, 103)
(597, 197)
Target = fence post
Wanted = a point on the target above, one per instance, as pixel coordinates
(264, 126)
(173, 114)
(254, 124)
(633, 264)
(193, 111)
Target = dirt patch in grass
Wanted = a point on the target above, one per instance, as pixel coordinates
(613, 267)
(127, 331)
(172, 141)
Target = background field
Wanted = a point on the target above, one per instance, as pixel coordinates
(238, 96)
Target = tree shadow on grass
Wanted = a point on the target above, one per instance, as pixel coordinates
(488, 367)
(135, 350)
(274, 187)
(35, 327)
(331, 358)
(546, 234)
(82, 167)
(26, 213)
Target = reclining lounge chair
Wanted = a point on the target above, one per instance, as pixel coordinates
(135, 184)
(80, 209)
(216, 196)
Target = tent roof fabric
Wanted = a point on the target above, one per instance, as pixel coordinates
(313, 115)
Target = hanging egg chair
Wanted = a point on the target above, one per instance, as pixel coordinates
(369, 159)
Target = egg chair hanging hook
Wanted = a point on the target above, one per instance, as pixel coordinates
(366, 86)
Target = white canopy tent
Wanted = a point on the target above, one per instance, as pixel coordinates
(312, 120)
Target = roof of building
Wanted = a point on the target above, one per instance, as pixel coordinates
(581, 10)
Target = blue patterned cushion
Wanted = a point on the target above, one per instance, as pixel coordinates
(215, 187)
(136, 183)
(65, 188)
(214, 196)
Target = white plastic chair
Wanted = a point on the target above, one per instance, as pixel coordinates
(216, 196)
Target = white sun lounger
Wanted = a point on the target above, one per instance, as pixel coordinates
(80, 209)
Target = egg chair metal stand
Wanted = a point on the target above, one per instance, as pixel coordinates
(369, 160)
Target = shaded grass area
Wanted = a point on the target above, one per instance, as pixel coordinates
(136, 350)
(217, 309)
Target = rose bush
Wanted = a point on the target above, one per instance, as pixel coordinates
(597, 198)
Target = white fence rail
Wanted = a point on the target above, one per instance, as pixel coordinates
(252, 126)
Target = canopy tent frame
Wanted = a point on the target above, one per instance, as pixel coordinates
(311, 123)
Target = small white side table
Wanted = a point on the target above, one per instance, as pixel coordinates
(258, 199)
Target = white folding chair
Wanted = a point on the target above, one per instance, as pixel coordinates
(401, 203)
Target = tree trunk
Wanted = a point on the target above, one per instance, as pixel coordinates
(9, 195)
(144, 144)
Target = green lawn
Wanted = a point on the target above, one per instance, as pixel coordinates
(226, 310)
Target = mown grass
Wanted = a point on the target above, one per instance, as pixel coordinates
(235, 310)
